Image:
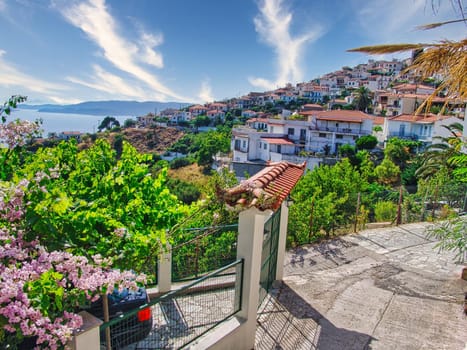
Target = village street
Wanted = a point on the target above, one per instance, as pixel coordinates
(383, 288)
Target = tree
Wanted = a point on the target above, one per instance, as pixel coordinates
(209, 144)
(346, 151)
(367, 142)
(452, 235)
(387, 172)
(185, 191)
(324, 199)
(202, 120)
(129, 123)
(437, 155)
(362, 100)
(108, 123)
(90, 202)
(400, 151)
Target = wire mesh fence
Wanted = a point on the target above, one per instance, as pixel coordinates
(205, 249)
(181, 316)
(378, 206)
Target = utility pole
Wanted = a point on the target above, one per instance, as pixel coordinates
(357, 212)
(311, 219)
(399, 208)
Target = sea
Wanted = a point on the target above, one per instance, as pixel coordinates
(59, 122)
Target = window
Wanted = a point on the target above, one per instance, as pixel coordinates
(244, 143)
(322, 134)
(265, 146)
(338, 136)
(278, 148)
(290, 131)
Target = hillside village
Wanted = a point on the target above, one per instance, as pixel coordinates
(311, 120)
(120, 198)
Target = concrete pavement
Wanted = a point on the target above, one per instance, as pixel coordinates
(385, 288)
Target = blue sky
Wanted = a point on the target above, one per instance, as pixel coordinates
(67, 51)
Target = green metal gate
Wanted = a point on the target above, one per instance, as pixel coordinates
(269, 254)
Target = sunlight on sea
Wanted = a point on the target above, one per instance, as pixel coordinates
(58, 122)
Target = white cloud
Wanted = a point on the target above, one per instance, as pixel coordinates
(94, 19)
(12, 78)
(111, 84)
(64, 101)
(273, 26)
(148, 55)
(2, 5)
(393, 21)
(205, 93)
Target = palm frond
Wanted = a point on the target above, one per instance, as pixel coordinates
(438, 24)
(388, 48)
(446, 58)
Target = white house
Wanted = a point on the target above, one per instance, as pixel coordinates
(146, 120)
(68, 135)
(180, 116)
(336, 127)
(197, 110)
(248, 113)
(295, 138)
(212, 114)
(427, 129)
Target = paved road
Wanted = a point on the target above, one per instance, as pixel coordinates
(380, 289)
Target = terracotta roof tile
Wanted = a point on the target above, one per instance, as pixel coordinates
(267, 189)
(378, 120)
(277, 141)
(421, 118)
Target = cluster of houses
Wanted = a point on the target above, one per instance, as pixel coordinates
(315, 135)
(317, 130)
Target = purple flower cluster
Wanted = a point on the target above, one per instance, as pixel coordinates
(24, 262)
(17, 132)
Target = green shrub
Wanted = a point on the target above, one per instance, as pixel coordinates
(385, 211)
(180, 163)
(185, 191)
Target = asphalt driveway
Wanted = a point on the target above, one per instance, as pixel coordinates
(379, 289)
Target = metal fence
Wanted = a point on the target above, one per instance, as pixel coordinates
(179, 317)
(269, 254)
(203, 250)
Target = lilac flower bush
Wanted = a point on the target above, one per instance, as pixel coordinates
(42, 290)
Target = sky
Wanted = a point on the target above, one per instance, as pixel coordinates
(70, 51)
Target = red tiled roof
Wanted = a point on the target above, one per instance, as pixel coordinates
(277, 141)
(378, 120)
(197, 107)
(267, 189)
(314, 106)
(422, 118)
(342, 115)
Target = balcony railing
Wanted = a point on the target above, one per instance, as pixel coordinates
(408, 136)
(341, 130)
(240, 149)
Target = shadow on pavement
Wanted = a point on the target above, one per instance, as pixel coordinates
(286, 321)
(330, 252)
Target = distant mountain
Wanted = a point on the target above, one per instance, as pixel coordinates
(111, 108)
